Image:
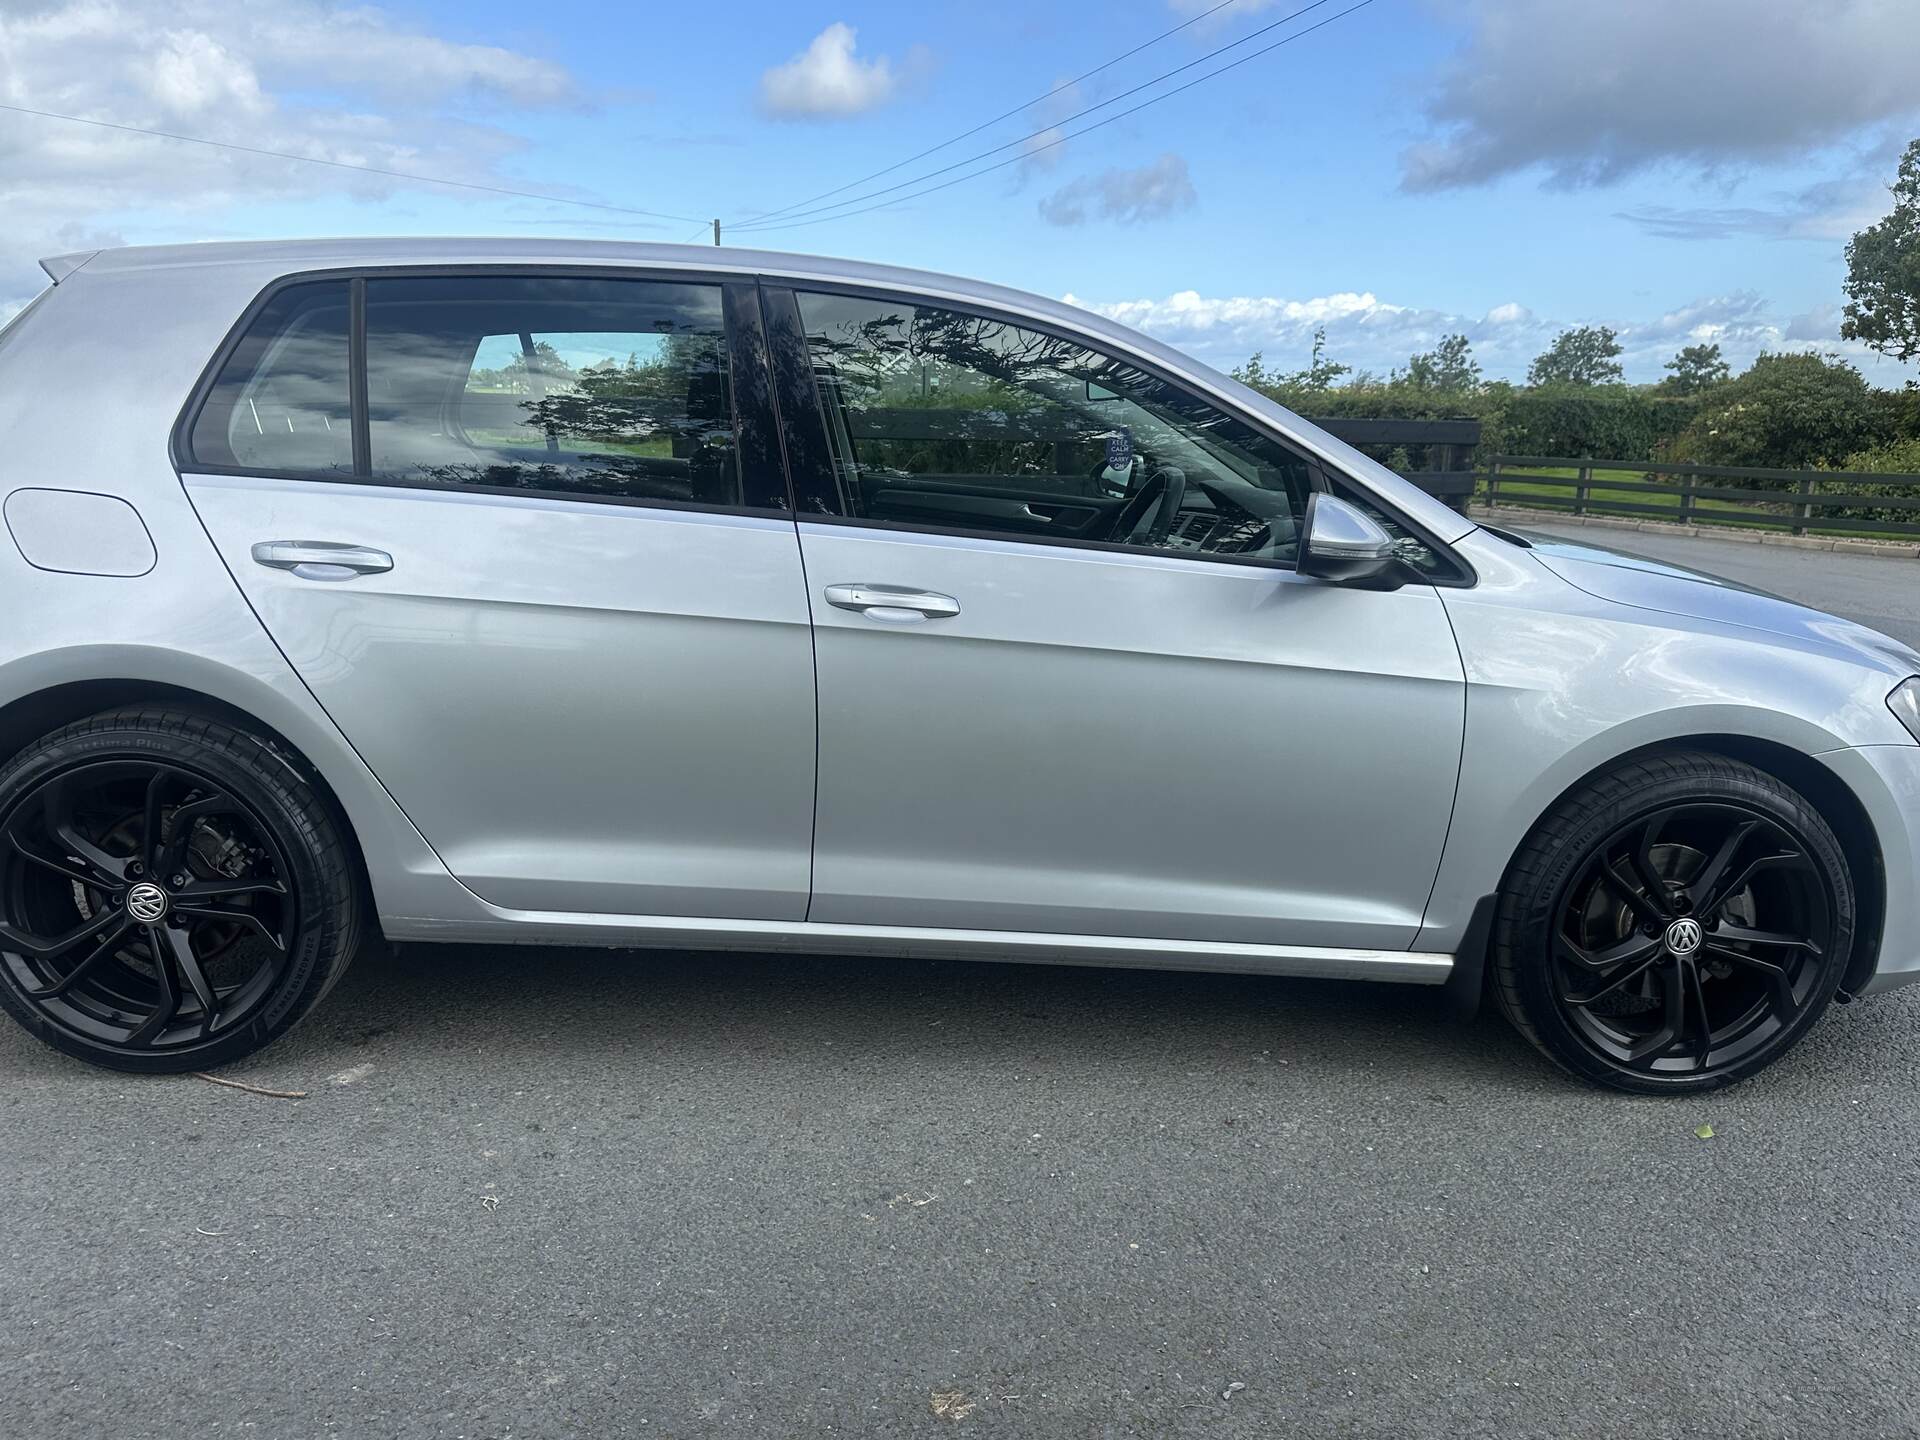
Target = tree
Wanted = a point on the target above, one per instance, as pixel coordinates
(519, 375)
(1254, 373)
(1585, 355)
(1883, 272)
(1448, 366)
(1787, 410)
(1316, 379)
(1320, 372)
(1694, 369)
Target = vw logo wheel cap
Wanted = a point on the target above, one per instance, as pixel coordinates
(1684, 936)
(147, 903)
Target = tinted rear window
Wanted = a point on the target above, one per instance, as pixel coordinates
(564, 384)
(560, 384)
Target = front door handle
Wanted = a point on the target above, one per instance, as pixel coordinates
(321, 559)
(893, 603)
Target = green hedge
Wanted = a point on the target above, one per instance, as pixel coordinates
(1606, 422)
(1785, 411)
(1897, 457)
(1602, 422)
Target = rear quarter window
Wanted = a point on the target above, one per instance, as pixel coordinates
(282, 402)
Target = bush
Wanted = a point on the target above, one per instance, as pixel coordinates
(1788, 410)
(1899, 412)
(1896, 457)
(1372, 399)
(1610, 422)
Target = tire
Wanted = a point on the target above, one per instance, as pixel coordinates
(174, 894)
(1593, 960)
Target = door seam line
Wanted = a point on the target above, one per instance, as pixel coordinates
(806, 581)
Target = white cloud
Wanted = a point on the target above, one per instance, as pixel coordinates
(1148, 192)
(1591, 92)
(302, 76)
(1372, 334)
(828, 79)
(195, 72)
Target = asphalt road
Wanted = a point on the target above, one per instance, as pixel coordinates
(539, 1192)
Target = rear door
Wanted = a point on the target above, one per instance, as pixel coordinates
(1069, 679)
(527, 538)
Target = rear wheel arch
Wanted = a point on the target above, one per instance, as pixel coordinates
(26, 719)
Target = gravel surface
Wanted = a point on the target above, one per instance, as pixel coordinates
(545, 1192)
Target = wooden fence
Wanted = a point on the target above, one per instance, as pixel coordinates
(1803, 502)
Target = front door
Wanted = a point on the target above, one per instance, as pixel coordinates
(550, 589)
(1069, 680)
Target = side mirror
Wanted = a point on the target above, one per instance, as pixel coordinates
(1344, 544)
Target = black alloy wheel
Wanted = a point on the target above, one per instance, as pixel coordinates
(171, 893)
(1687, 919)
(1690, 937)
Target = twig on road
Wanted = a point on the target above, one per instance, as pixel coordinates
(251, 1089)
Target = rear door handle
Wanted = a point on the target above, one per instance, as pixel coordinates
(321, 559)
(893, 603)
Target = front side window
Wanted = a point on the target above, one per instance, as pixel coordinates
(602, 387)
(939, 417)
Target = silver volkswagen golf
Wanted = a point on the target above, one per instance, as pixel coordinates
(630, 595)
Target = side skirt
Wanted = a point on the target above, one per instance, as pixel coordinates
(534, 927)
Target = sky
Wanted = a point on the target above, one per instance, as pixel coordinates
(1681, 170)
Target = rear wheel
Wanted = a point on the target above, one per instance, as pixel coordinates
(173, 894)
(1674, 925)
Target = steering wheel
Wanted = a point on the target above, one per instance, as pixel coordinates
(1168, 485)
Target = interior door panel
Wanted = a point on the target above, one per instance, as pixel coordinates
(956, 500)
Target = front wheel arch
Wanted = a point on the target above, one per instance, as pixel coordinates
(1688, 787)
(1828, 794)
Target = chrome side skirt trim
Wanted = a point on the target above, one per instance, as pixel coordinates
(541, 927)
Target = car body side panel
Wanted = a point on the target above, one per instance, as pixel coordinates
(1127, 744)
(1560, 683)
(583, 706)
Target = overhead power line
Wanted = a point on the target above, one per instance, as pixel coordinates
(989, 124)
(1024, 140)
(844, 214)
(348, 165)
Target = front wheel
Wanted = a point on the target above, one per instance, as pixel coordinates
(173, 894)
(1674, 925)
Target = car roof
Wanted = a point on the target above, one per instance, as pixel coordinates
(294, 256)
